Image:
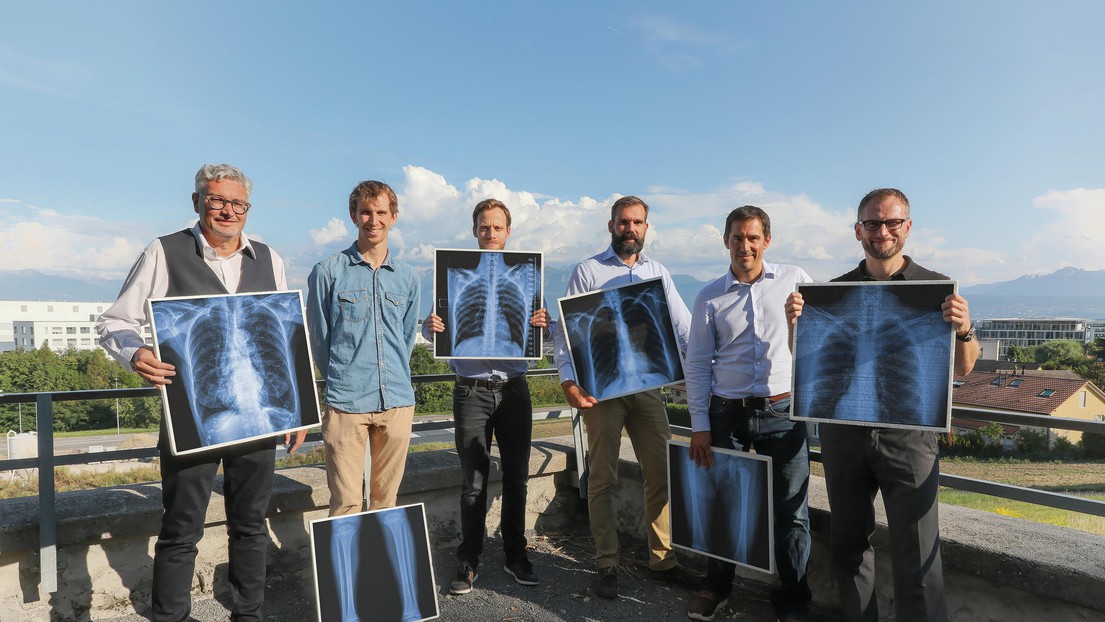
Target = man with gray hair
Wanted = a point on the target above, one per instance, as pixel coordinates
(211, 258)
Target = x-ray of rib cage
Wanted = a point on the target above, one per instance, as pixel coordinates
(235, 361)
(490, 308)
(874, 356)
(622, 340)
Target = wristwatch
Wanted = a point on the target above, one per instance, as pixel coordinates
(970, 336)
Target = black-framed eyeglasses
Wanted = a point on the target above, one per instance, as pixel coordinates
(891, 225)
(217, 203)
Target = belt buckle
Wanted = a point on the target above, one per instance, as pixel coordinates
(496, 383)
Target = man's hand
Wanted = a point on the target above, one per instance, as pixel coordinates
(540, 318)
(152, 370)
(794, 307)
(957, 313)
(700, 449)
(577, 397)
(299, 436)
(433, 323)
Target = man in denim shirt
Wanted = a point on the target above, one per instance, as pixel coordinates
(738, 388)
(491, 397)
(362, 311)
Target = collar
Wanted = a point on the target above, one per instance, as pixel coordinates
(208, 251)
(908, 273)
(355, 257)
(609, 256)
(731, 282)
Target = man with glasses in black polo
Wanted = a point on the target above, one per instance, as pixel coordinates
(213, 257)
(491, 397)
(902, 464)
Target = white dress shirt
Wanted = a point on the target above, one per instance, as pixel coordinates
(120, 327)
(607, 270)
(738, 345)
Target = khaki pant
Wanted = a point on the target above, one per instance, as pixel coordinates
(386, 434)
(646, 421)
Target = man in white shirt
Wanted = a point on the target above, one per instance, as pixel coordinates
(738, 391)
(643, 415)
(213, 257)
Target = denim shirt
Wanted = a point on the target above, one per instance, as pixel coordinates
(362, 324)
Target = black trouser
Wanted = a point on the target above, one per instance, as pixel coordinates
(771, 433)
(186, 490)
(905, 466)
(506, 412)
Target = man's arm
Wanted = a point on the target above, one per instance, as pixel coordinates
(701, 347)
(319, 286)
(410, 316)
(578, 283)
(957, 313)
(680, 316)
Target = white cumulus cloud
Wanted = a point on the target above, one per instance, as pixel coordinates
(333, 231)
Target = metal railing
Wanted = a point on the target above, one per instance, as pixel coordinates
(46, 462)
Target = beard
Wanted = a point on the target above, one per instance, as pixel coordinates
(626, 245)
(885, 252)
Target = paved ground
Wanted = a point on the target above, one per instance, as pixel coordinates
(563, 562)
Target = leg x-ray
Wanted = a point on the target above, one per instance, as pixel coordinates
(485, 299)
(874, 353)
(374, 567)
(243, 365)
(723, 511)
(621, 339)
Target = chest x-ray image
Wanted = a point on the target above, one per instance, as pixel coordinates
(621, 339)
(874, 354)
(723, 511)
(244, 368)
(485, 299)
(374, 566)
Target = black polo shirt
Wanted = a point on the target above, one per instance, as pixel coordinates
(911, 272)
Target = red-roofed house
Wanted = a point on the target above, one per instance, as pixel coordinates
(1057, 394)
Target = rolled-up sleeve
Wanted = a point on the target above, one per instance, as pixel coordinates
(120, 327)
(578, 283)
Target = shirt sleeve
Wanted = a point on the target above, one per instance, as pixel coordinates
(680, 316)
(578, 283)
(120, 327)
(319, 286)
(701, 346)
(278, 271)
(410, 317)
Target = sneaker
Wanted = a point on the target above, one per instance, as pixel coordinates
(605, 583)
(677, 576)
(705, 605)
(462, 583)
(522, 571)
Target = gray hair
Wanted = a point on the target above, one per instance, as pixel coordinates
(218, 172)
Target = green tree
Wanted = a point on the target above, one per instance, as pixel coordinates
(1060, 354)
(430, 397)
(993, 433)
(1029, 442)
(1020, 354)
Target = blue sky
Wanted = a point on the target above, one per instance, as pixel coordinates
(987, 114)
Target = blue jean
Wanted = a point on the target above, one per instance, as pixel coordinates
(770, 433)
(507, 413)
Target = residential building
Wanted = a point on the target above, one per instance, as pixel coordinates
(62, 325)
(1030, 331)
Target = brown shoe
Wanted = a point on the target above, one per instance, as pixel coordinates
(705, 605)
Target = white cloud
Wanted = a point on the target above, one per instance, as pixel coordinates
(333, 231)
(1070, 231)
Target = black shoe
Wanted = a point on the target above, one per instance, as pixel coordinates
(704, 606)
(462, 583)
(605, 583)
(522, 571)
(675, 576)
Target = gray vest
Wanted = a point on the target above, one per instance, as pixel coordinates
(189, 275)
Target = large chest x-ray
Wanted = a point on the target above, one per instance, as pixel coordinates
(724, 511)
(621, 339)
(874, 354)
(244, 368)
(485, 299)
(374, 566)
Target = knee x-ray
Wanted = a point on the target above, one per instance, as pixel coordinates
(723, 511)
(875, 354)
(374, 567)
(621, 339)
(243, 368)
(485, 299)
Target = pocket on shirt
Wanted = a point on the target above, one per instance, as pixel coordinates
(353, 305)
(395, 305)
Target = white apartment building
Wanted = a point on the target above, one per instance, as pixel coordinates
(1031, 331)
(27, 324)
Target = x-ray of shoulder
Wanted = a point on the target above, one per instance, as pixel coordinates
(374, 566)
(621, 339)
(485, 299)
(874, 354)
(243, 368)
(723, 511)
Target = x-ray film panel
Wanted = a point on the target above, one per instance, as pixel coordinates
(724, 511)
(874, 354)
(244, 369)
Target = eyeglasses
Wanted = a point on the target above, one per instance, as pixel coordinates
(217, 203)
(891, 225)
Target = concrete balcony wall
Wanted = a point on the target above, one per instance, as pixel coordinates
(996, 568)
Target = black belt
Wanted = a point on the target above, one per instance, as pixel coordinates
(759, 403)
(486, 384)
